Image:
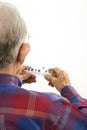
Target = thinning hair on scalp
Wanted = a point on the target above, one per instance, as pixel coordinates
(12, 33)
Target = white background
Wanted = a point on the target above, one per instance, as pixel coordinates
(58, 38)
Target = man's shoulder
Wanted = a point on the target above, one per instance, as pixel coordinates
(48, 95)
(40, 96)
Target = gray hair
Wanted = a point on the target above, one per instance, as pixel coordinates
(12, 33)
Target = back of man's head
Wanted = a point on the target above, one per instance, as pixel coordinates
(12, 33)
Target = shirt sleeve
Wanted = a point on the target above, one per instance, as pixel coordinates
(75, 99)
(64, 114)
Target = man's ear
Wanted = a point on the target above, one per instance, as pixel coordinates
(24, 49)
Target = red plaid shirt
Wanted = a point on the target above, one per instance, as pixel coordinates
(21, 109)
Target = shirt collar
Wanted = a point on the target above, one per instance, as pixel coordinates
(10, 79)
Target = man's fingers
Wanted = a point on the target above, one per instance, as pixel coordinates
(24, 76)
(50, 84)
(31, 79)
(50, 78)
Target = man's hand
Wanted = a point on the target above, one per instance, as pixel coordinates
(24, 75)
(58, 78)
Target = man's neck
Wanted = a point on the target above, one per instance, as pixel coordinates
(7, 70)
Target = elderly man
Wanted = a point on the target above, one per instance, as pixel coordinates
(21, 109)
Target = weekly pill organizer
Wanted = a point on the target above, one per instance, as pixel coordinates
(42, 71)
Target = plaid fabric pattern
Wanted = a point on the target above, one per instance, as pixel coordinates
(29, 110)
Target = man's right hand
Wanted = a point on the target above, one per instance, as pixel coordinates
(58, 78)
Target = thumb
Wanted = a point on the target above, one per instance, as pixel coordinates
(24, 77)
(49, 77)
